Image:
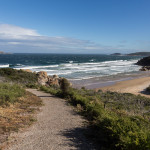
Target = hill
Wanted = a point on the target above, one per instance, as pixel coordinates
(139, 54)
(116, 54)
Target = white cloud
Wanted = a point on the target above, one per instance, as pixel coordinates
(18, 39)
(12, 31)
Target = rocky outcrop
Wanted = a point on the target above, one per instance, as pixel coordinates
(145, 68)
(44, 79)
(144, 61)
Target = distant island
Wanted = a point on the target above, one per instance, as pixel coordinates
(139, 54)
(132, 54)
(116, 54)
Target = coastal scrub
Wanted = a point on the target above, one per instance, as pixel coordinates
(118, 120)
(16, 109)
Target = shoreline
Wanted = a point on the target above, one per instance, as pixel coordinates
(135, 86)
(108, 81)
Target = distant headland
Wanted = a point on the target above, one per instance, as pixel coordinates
(133, 54)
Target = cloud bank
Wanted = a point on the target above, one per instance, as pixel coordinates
(23, 40)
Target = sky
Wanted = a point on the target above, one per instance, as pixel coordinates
(74, 26)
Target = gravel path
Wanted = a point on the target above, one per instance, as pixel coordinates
(58, 127)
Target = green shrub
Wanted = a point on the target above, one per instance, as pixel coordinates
(120, 120)
(19, 76)
(50, 90)
(9, 93)
(64, 86)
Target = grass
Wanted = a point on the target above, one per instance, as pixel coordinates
(9, 93)
(16, 109)
(19, 76)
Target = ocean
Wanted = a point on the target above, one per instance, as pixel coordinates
(75, 67)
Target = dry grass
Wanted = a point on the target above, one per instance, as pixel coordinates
(18, 115)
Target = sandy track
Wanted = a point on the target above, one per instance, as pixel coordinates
(58, 127)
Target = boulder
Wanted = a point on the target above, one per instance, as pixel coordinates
(55, 76)
(42, 77)
(53, 81)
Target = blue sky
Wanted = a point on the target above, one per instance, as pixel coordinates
(74, 26)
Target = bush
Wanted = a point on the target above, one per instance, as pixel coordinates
(19, 76)
(9, 93)
(120, 120)
(64, 86)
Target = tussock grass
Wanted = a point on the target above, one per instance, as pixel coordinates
(16, 109)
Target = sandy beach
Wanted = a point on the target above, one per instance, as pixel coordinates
(135, 86)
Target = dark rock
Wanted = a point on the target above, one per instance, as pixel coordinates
(145, 68)
(144, 61)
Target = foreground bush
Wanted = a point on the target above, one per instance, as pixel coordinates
(120, 120)
(16, 108)
(9, 93)
(19, 76)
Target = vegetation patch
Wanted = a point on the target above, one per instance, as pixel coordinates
(118, 120)
(16, 109)
(19, 76)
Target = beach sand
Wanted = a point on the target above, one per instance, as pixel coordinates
(134, 86)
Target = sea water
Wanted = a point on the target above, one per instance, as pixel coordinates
(75, 67)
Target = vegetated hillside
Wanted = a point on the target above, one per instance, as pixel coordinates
(144, 61)
(139, 54)
(118, 120)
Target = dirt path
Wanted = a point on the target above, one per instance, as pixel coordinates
(58, 127)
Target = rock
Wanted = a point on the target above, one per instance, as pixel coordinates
(42, 77)
(55, 76)
(53, 81)
(145, 68)
(144, 61)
